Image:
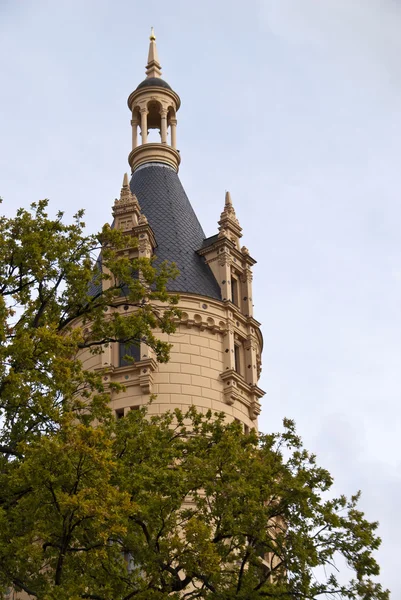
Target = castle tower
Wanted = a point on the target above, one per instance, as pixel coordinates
(216, 351)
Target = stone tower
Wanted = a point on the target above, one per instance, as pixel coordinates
(216, 353)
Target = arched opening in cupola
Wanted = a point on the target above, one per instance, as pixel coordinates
(154, 122)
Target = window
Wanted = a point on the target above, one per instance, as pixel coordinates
(126, 224)
(234, 291)
(119, 413)
(237, 359)
(244, 427)
(128, 350)
(124, 287)
(131, 566)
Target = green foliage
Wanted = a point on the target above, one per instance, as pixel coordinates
(178, 506)
(169, 507)
(47, 315)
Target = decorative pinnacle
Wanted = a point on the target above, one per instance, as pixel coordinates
(153, 68)
(127, 200)
(125, 194)
(228, 212)
(229, 222)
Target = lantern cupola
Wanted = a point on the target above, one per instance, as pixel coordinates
(154, 105)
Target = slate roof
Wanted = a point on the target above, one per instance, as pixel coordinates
(95, 287)
(153, 82)
(210, 240)
(178, 232)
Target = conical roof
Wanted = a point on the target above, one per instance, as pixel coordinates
(177, 230)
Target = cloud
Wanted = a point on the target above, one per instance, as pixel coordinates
(293, 105)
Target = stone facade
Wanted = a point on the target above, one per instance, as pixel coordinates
(215, 359)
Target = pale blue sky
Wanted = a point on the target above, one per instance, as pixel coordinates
(295, 107)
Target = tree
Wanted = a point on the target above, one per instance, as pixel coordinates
(52, 306)
(176, 506)
(179, 506)
(48, 314)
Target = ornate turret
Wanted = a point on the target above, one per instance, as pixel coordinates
(215, 358)
(154, 105)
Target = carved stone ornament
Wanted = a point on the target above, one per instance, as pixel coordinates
(225, 259)
(144, 245)
(254, 409)
(146, 374)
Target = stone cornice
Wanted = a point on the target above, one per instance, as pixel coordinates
(203, 320)
(234, 389)
(223, 241)
(230, 374)
(145, 229)
(143, 370)
(148, 91)
(246, 322)
(154, 152)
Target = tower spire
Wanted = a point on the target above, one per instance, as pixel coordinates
(229, 224)
(153, 68)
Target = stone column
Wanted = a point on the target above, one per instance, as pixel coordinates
(134, 123)
(224, 280)
(247, 292)
(173, 126)
(251, 374)
(106, 356)
(163, 127)
(144, 125)
(228, 343)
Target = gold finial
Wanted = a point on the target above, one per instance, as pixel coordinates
(125, 180)
(153, 68)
